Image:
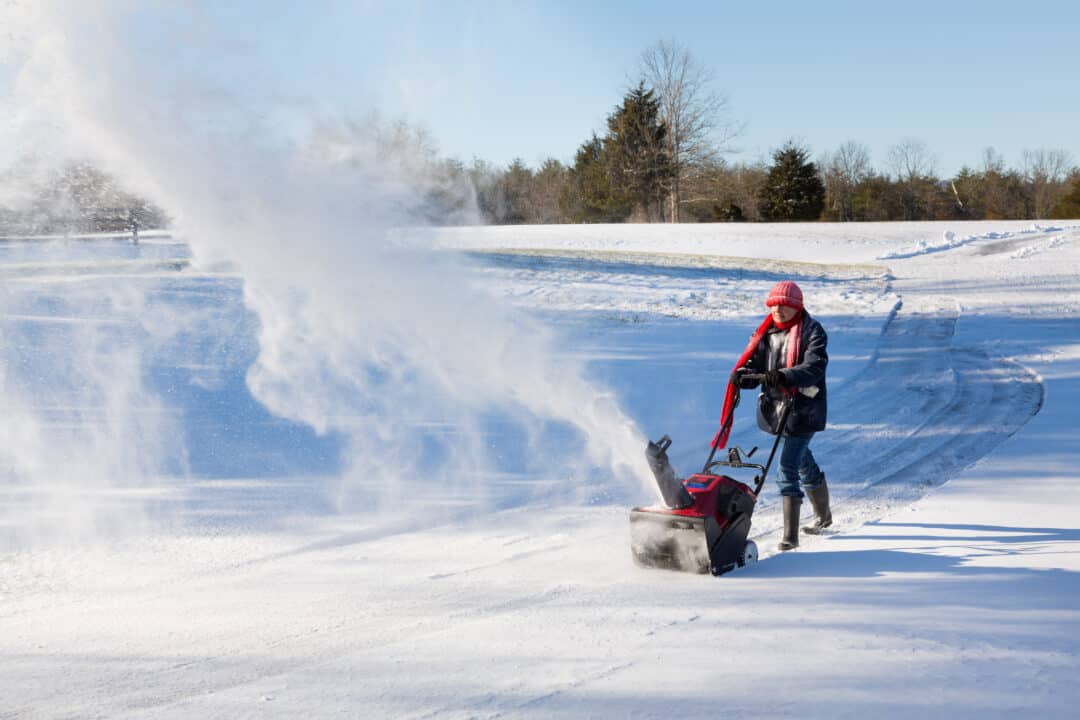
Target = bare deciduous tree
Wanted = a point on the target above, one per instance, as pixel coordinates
(843, 170)
(910, 160)
(914, 167)
(698, 130)
(1045, 171)
(993, 162)
(997, 192)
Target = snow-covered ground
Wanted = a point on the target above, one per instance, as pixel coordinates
(171, 548)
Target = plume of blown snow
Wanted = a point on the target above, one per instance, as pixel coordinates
(366, 330)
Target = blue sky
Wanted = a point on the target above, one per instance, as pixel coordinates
(532, 79)
(535, 79)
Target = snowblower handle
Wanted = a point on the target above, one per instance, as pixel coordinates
(760, 480)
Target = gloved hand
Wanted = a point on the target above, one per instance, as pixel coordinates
(775, 379)
(738, 379)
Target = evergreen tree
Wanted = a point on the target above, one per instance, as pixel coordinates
(547, 186)
(877, 198)
(793, 190)
(516, 183)
(590, 195)
(992, 193)
(1068, 208)
(637, 154)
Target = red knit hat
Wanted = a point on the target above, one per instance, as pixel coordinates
(787, 293)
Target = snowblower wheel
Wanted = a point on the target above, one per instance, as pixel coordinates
(749, 554)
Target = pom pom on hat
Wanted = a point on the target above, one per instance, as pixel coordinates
(787, 293)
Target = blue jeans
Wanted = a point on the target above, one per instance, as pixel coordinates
(798, 469)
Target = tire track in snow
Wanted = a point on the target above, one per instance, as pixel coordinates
(995, 398)
(978, 402)
(921, 412)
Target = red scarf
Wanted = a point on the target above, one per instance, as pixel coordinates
(794, 341)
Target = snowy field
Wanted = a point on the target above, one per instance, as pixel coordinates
(174, 544)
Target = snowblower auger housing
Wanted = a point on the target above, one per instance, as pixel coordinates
(708, 536)
(704, 524)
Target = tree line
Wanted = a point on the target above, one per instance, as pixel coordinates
(603, 186)
(626, 175)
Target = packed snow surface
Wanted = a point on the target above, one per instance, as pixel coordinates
(171, 548)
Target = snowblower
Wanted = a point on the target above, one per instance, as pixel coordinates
(705, 523)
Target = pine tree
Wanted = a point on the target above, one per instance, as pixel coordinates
(637, 154)
(516, 182)
(792, 190)
(589, 195)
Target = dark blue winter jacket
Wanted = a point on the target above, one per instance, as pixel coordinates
(807, 376)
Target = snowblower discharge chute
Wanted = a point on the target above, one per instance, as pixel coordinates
(705, 523)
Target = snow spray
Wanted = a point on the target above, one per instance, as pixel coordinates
(364, 330)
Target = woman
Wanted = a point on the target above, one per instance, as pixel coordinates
(790, 350)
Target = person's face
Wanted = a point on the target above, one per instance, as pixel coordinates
(783, 313)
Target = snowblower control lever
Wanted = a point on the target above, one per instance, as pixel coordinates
(735, 454)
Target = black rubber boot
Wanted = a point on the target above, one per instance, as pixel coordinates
(791, 505)
(819, 500)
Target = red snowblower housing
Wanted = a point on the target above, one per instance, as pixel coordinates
(705, 520)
